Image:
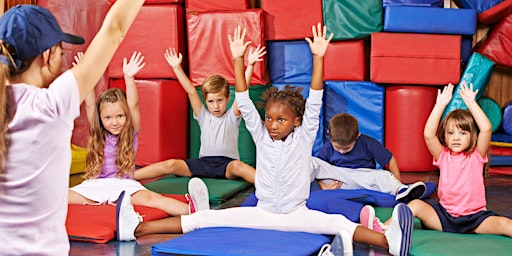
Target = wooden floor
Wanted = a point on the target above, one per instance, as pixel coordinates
(499, 199)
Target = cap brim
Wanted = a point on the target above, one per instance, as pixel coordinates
(72, 39)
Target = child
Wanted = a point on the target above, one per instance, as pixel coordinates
(357, 154)
(459, 148)
(38, 106)
(284, 141)
(218, 155)
(112, 146)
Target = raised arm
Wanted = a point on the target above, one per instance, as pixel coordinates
(130, 69)
(484, 125)
(238, 48)
(430, 131)
(90, 98)
(318, 48)
(174, 60)
(103, 46)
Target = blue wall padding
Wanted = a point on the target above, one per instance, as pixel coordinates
(289, 61)
(305, 92)
(364, 100)
(466, 48)
(506, 123)
(478, 71)
(492, 110)
(425, 3)
(478, 5)
(226, 241)
(413, 19)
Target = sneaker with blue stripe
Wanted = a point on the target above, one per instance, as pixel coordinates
(399, 233)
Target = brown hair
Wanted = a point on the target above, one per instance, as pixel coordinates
(215, 84)
(290, 96)
(343, 129)
(463, 119)
(125, 160)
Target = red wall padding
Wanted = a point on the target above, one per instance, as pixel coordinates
(409, 58)
(497, 45)
(290, 19)
(156, 28)
(208, 43)
(216, 5)
(406, 111)
(495, 13)
(164, 120)
(83, 18)
(345, 61)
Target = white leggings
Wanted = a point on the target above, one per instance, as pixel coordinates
(361, 178)
(300, 220)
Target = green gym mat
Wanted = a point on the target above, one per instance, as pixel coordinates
(433, 242)
(219, 190)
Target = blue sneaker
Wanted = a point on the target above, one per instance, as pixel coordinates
(399, 233)
(408, 193)
(341, 246)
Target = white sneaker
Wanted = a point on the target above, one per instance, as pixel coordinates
(399, 233)
(408, 193)
(198, 198)
(341, 246)
(127, 219)
(367, 219)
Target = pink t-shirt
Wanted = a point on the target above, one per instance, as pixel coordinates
(34, 185)
(461, 188)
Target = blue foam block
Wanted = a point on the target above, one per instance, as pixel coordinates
(478, 5)
(413, 19)
(424, 3)
(290, 61)
(228, 241)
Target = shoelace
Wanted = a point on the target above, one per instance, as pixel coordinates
(325, 249)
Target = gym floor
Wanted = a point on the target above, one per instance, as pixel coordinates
(499, 199)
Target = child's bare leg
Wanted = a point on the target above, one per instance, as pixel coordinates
(171, 225)
(238, 169)
(152, 199)
(172, 166)
(426, 213)
(498, 225)
(75, 198)
(370, 237)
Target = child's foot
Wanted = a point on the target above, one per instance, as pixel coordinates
(368, 219)
(127, 219)
(399, 233)
(198, 198)
(341, 246)
(408, 193)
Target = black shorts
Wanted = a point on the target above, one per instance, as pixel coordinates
(463, 224)
(209, 166)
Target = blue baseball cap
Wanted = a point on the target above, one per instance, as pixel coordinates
(31, 30)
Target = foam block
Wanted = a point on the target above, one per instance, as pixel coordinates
(407, 109)
(210, 54)
(478, 72)
(166, 23)
(212, 5)
(495, 13)
(497, 45)
(429, 20)
(409, 58)
(363, 100)
(478, 5)
(349, 19)
(164, 118)
(492, 110)
(290, 61)
(345, 61)
(155, 1)
(283, 24)
(425, 3)
(507, 119)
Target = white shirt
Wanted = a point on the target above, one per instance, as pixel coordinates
(219, 135)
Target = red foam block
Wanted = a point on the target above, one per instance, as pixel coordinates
(345, 61)
(164, 118)
(408, 58)
(216, 5)
(407, 109)
(495, 13)
(156, 28)
(497, 45)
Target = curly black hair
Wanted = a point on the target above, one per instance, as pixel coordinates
(290, 96)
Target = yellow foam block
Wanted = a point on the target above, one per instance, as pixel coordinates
(78, 155)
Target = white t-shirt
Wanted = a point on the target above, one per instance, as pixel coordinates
(219, 135)
(34, 184)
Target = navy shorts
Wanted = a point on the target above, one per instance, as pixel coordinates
(463, 224)
(209, 166)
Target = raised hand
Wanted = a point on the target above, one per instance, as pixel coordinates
(172, 58)
(256, 54)
(319, 43)
(466, 93)
(237, 44)
(134, 66)
(444, 96)
(78, 57)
